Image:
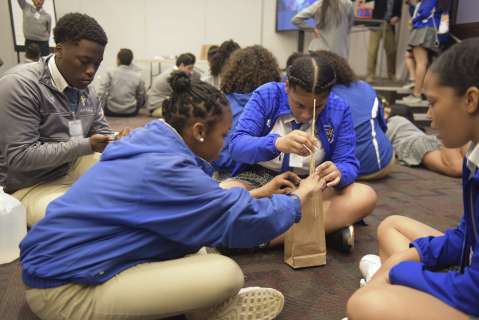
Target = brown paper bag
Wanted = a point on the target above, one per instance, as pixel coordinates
(305, 243)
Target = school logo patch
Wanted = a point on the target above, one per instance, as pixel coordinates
(329, 133)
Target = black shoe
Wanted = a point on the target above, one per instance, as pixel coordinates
(234, 251)
(342, 239)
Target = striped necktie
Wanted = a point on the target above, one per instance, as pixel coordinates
(73, 96)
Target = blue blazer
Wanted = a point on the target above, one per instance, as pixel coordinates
(148, 199)
(252, 142)
(425, 16)
(457, 247)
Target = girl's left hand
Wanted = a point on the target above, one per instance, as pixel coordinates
(330, 173)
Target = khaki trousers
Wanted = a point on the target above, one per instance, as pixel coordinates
(37, 198)
(157, 110)
(381, 173)
(146, 291)
(386, 32)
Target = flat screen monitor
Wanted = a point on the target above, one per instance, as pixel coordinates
(465, 18)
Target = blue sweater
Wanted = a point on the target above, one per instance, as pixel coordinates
(373, 148)
(148, 199)
(425, 16)
(237, 102)
(252, 142)
(458, 246)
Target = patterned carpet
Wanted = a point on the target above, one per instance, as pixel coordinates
(316, 293)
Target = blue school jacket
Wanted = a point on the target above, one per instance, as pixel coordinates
(458, 246)
(373, 148)
(148, 199)
(237, 103)
(427, 16)
(252, 142)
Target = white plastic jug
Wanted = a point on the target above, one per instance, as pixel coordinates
(13, 227)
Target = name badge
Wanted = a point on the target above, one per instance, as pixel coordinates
(295, 161)
(76, 129)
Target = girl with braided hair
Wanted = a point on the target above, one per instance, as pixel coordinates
(120, 244)
(273, 136)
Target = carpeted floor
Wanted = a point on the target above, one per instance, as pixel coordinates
(316, 293)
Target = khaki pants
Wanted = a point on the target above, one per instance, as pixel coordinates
(37, 198)
(157, 110)
(381, 173)
(146, 291)
(386, 31)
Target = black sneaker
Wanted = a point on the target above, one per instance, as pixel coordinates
(234, 251)
(342, 239)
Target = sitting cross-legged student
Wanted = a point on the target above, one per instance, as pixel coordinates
(414, 147)
(218, 60)
(373, 148)
(121, 243)
(273, 136)
(161, 90)
(246, 70)
(421, 272)
(50, 117)
(32, 53)
(122, 92)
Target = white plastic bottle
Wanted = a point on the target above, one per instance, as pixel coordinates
(13, 227)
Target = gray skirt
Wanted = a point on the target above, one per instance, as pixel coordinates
(425, 38)
(410, 143)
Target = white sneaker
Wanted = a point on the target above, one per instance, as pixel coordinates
(412, 99)
(408, 85)
(369, 265)
(253, 303)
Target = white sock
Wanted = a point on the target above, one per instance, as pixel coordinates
(369, 265)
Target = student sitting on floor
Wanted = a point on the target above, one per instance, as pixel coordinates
(413, 147)
(246, 70)
(212, 50)
(122, 92)
(427, 274)
(50, 117)
(275, 128)
(219, 60)
(32, 53)
(373, 148)
(160, 88)
(114, 246)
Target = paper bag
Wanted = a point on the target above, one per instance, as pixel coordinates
(305, 243)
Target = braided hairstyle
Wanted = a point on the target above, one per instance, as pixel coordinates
(312, 74)
(192, 99)
(344, 73)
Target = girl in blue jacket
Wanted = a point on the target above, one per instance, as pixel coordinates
(246, 70)
(273, 136)
(373, 148)
(114, 246)
(423, 40)
(427, 274)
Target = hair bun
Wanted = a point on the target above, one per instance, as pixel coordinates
(179, 81)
